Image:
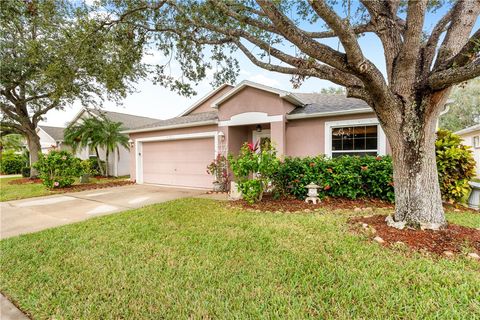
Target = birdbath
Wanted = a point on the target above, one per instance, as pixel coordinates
(312, 193)
(474, 198)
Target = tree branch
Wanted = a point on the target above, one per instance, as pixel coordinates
(446, 78)
(465, 14)
(405, 69)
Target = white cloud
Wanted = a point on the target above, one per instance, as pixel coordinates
(263, 79)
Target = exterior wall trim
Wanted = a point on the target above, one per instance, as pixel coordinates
(174, 126)
(382, 140)
(139, 147)
(247, 118)
(327, 114)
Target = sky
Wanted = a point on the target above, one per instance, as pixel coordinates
(154, 101)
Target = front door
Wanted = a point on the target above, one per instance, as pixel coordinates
(261, 139)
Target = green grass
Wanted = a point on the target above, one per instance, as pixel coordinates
(195, 258)
(21, 191)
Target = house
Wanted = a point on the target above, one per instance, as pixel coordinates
(471, 137)
(119, 163)
(176, 151)
(51, 138)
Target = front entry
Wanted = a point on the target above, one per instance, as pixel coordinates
(261, 139)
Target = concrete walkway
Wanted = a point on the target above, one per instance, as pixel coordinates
(8, 311)
(35, 214)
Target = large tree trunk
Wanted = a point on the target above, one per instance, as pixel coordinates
(418, 201)
(34, 149)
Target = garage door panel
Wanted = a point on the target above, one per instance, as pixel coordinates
(179, 162)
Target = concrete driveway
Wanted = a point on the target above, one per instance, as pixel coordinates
(35, 214)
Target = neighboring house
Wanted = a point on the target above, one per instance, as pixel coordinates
(176, 151)
(51, 138)
(119, 163)
(471, 137)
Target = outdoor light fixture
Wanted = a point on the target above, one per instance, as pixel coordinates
(221, 135)
(259, 128)
(130, 142)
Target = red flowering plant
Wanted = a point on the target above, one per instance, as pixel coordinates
(219, 169)
(254, 169)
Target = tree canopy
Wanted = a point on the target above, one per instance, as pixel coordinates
(464, 110)
(55, 52)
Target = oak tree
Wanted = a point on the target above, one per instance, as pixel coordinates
(56, 52)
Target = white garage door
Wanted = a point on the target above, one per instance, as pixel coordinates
(178, 162)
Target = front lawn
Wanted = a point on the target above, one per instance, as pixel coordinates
(28, 190)
(195, 258)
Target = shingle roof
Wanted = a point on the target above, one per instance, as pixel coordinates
(322, 103)
(129, 121)
(55, 132)
(191, 118)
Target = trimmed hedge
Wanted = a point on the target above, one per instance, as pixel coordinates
(348, 177)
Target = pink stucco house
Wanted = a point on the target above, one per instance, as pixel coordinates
(176, 151)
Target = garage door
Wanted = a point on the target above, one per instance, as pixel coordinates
(178, 162)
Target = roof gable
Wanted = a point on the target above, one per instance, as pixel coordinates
(128, 121)
(290, 97)
(56, 133)
(207, 99)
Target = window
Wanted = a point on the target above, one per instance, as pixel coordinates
(354, 140)
(91, 152)
(476, 142)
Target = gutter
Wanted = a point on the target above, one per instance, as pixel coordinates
(327, 114)
(173, 126)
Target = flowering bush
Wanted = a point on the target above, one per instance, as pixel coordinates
(455, 165)
(219, 169)
(58, 169)
(253, 170)
(348, 177)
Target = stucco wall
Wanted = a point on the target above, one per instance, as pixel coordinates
(253, 100)
(206, 106)
(468, 140)
(161, 133)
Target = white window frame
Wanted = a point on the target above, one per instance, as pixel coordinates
(139, 147)
(381, 138)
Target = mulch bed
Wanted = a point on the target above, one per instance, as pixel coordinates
(25, 181)
(292, 205)
(76, 187)
(91, 186)
(452, 239)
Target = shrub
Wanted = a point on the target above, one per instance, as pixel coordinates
(219, 169)
(58, 169)
(455, 165)
(87, 167)
(11, 163)
(348, 177)
(26, 172)
(95, 169)
(253, 170)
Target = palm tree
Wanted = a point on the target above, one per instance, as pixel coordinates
(85, 135)
(95, 132)
(111, 139)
